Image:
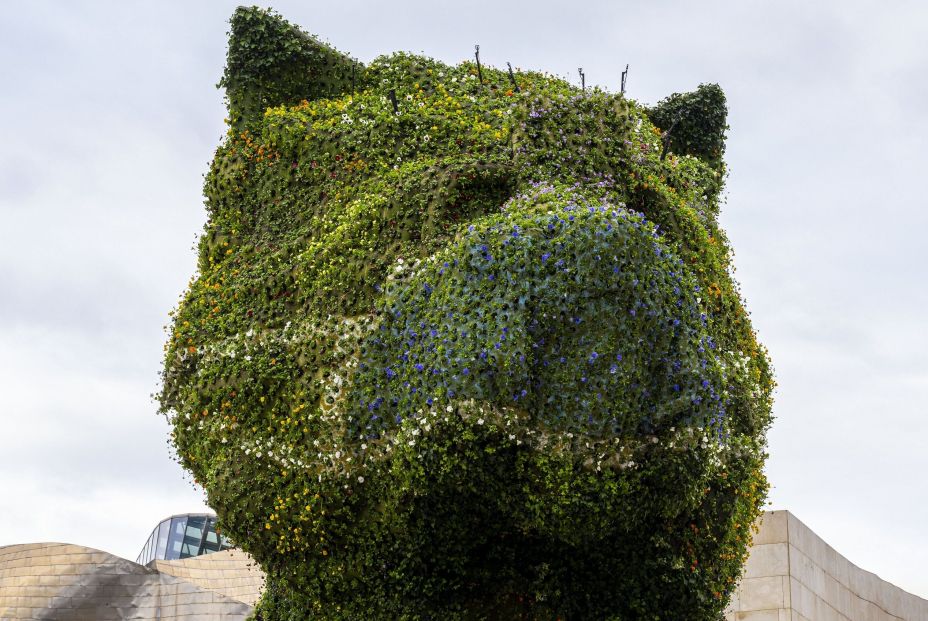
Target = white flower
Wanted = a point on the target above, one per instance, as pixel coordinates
(360, 479)
(479, 421)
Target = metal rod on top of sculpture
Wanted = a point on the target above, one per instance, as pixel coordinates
(477, 56)
(512, 78)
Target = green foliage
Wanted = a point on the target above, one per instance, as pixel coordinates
(695, 122)
(480, 357)
(271, 62)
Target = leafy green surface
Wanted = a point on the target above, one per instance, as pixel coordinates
(480, 357)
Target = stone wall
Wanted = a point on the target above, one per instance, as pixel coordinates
(793, 575)
(230, 572)
(73, 583)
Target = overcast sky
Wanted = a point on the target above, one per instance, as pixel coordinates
(109, 117)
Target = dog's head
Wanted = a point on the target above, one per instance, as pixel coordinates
(464, 341)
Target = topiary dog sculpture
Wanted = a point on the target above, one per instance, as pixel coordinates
(464, 343)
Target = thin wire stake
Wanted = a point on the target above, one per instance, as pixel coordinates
(512, 78)
(666, 138)
(392, 96)
(477, 56)
(624, 76)
(582, 78)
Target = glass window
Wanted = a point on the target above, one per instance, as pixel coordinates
(211, 542)
(140, 559)
(145, 556)
(176, 538)
(224, 543)
(163, 529)
(182, 537)
(193, 536)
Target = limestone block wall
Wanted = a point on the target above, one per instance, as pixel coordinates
(230, 572)
(793, 575)
(73, 583)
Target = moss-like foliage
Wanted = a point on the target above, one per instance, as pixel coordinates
(461, 350)
(694, 123)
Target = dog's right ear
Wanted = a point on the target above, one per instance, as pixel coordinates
(694, 123)
(271, 62)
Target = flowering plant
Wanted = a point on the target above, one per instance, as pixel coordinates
(465, 344)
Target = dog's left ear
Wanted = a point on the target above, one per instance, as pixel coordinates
(271, 62)
(695, 123)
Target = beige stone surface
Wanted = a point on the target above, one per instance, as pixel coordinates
(73, 583)
(230, 572)
(793, 575)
